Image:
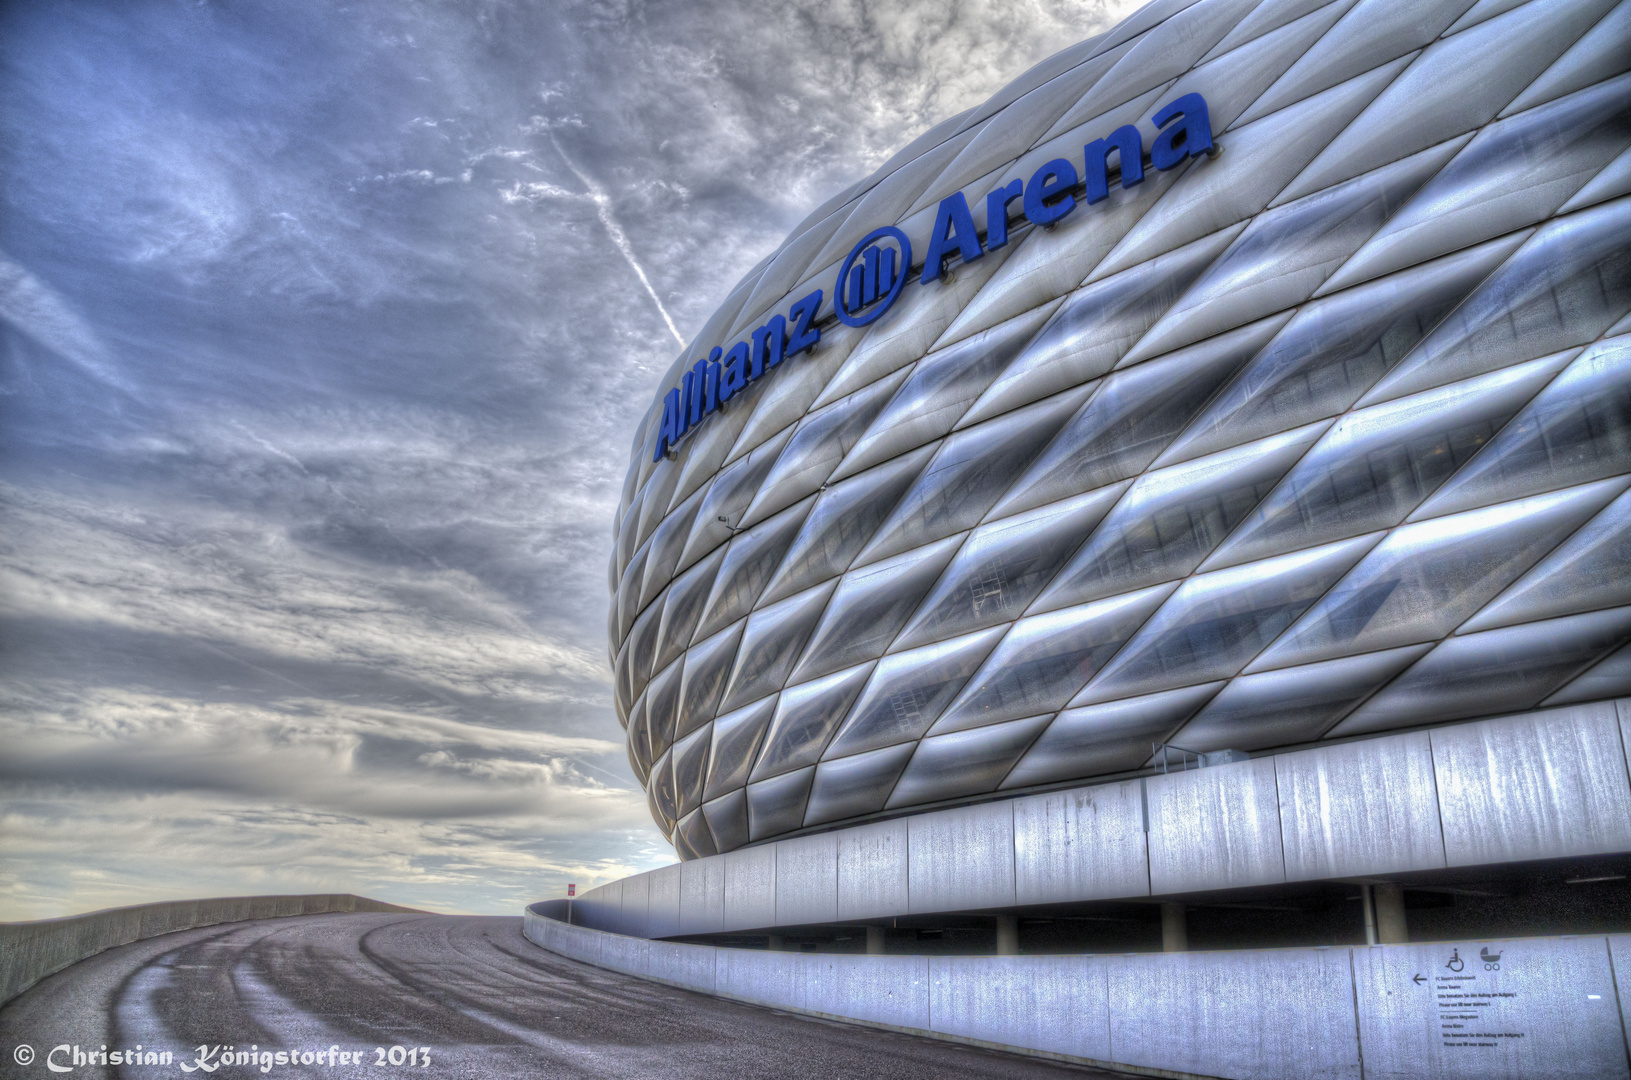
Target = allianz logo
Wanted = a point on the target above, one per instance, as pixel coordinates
(870, 280)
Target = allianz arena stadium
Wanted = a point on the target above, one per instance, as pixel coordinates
(1253, 377)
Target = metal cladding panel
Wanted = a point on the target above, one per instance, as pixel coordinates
(1524, 1009)
(1215, 828)
(872, 871)
(1259, 392)
(1084, 844)
(1056, 1004)
(637, 905)
(663, 918)
(750, 888)
(807, 880)
(962, 859)
(1265, 1013)
(702, 896)
(1542, 786)
(1360, 808)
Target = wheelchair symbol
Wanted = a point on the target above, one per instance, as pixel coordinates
(1456, 963)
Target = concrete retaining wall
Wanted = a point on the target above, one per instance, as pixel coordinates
(1531, 786)
(1541, 1009)
(29, 951)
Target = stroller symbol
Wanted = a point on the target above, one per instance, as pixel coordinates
(1456, 963)
(1492, 961)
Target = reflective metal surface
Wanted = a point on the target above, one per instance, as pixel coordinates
(1325, 436)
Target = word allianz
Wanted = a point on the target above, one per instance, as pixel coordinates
(1184, 129)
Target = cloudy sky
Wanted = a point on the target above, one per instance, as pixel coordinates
(323, 332)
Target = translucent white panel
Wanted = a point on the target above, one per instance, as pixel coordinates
(1577, 429)
(1280, 708)
(623, 692)
(692, 837)
(1238, 76)
(1045, 659)
(736, 738)
(1019, 125)
(1271, 15)
(1497, 671)
(1457, 84)
(913, 325)
(666, 544)
(1569, 283)
(691, 767)
(1613, 181)
(1003, 566)
(1600, 54)
(1168, 50)
(888, 201)
(870, 606)
(1425, 579)
(1048, 263)
(665, 823)
(628, 533)
(728, 497)
(817, 446)
(806, 716)
(1514, 173)
(844, 518)
(776, 806)
(1287, 253)
(708, 447)
(1335, 349)
(1105, 738)
(855, 785)
(707, 664)
(727, 819)
(779, 400)
(1172, 519)
(771, 644)
(1216, 623)
(965, 762)
(1096, 326)
(1378, 464)
(638, 744)
(792, 260)
(1588, 571)
(909, 690)
(1372, 33)
(664, 796)
(659, 491)
(969, 472)
(686, 599)
(628, 593)
(642, 647)
(750, 562)
(1608, 678)
(1134, 415)
(1483, 9)
(663, 705)
(1261, 158)
(939, 391)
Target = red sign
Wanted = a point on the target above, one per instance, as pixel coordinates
(571, 890)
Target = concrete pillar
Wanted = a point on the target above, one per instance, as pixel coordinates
(1007, 935)
(1367, 901)
(1391, 928)
(777, 943)
(1174, 927)
(874, 941)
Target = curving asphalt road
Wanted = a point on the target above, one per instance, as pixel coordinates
(483, 999)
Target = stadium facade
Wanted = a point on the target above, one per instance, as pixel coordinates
(1184, 502)
(1319, 427)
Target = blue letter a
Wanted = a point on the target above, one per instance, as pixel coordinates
(953, 232)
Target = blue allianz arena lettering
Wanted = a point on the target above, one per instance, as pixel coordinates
(871, 278)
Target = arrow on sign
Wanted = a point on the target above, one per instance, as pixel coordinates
(1418, 980)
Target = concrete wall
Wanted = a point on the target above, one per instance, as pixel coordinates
(1537, 785)
(29, 951)
(1542, 1009)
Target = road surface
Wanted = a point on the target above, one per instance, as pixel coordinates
(485, 1001)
